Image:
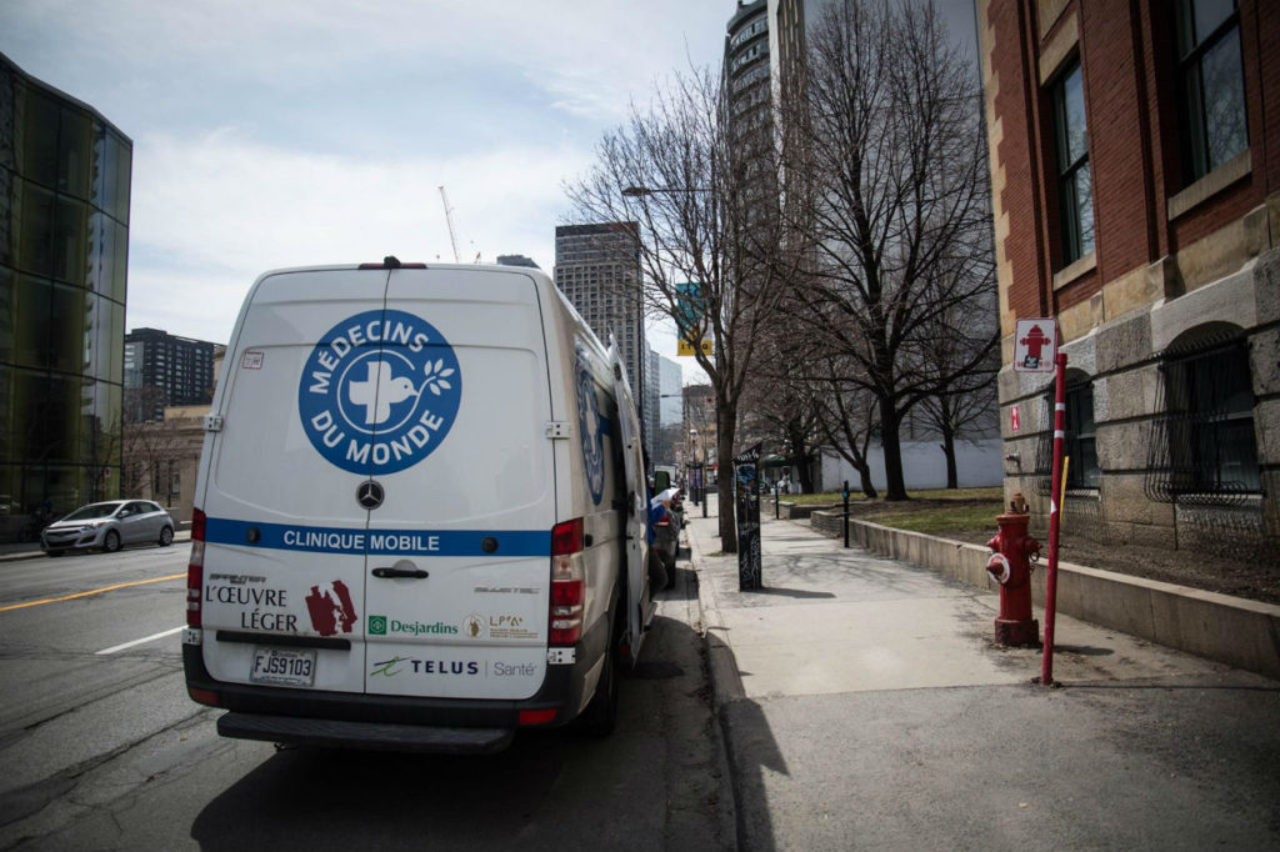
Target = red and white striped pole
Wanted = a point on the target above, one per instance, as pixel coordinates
(1055, 516)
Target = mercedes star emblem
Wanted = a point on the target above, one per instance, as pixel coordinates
(369, 494)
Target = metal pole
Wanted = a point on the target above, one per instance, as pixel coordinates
(777, 490)
(846, 512)
(1055, 517)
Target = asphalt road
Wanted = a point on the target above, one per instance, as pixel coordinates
(102, 749)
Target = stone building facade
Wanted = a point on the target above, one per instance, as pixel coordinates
(1135, 157)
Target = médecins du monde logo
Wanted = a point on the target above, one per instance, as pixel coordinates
(379, 392)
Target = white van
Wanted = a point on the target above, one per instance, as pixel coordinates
(420, 513)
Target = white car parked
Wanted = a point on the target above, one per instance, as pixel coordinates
(109, 525)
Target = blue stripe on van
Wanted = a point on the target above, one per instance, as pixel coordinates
(415, 542)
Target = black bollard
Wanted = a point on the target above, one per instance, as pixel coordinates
(846, 513)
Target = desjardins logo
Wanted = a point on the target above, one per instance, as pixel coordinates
(380, 625)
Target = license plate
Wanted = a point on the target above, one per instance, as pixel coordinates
(286, 667)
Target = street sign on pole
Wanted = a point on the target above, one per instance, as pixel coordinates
(691, 320)
(684, 347)
(1035, 343)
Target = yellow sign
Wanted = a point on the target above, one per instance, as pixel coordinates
(684, 347)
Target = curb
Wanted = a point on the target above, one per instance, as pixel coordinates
(726, 689)
(726, 683)
(180, 537)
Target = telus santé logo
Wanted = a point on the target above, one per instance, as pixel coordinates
(379, 392)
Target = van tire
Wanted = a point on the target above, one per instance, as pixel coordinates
(112, 541)
(659, 577)
(601, 716)
(166, 536)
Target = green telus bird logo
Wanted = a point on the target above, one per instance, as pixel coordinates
(385, 668)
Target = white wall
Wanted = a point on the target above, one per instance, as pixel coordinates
(978, 463)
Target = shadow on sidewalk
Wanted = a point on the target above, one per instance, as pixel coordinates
(751, 750)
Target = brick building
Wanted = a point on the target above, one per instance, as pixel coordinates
(1135, 157)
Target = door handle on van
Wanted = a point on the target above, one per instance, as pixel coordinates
(414, 573)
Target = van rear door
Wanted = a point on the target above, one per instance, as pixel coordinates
(457, 600)
(285, 551)
(641, 610)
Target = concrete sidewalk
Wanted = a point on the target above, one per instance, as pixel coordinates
(864, 705)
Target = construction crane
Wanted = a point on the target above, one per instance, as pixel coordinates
(448, 218)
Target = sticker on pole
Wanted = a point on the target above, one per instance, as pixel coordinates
(379, 392)
(1034, 345)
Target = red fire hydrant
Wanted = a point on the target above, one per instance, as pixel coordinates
(1010, 566)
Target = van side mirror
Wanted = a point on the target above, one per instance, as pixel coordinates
(661, 481)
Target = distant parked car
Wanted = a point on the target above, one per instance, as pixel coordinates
(666, 518)
(110, 526)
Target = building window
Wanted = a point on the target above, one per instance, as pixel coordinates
(1080, 442)
(1210, 396)
(1075, 189)
(1211, 85)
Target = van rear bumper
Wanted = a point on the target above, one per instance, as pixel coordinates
(377, 736)
(393, 722)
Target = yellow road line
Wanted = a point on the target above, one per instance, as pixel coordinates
(93, 592)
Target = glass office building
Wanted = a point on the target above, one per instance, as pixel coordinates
(64, 244)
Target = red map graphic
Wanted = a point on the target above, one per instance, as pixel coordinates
(326, 613)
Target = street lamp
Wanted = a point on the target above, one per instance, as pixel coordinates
(641, 191)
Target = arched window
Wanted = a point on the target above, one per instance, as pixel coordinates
(1079, 442)
(1203, 444)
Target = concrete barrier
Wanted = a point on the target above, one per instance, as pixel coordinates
(1231, 630)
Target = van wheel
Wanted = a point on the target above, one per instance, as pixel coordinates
(601, 715)
(112, 542)
(166, 536)
(658, 575)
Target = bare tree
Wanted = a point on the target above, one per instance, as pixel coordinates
(847, 419)
(698, 204)
(963, 405)
(149, 449)
(885, 138)
(784, 403)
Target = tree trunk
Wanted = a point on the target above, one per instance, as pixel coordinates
(895, 487)
(864, 474)
(805, 469)
(949, 450)
(725, 423)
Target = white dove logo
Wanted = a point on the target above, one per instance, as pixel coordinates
(379, 391)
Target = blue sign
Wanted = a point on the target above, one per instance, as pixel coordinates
(391, 542)
(379, 392)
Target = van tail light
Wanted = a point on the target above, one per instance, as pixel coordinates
(195, 569)
(536, 717)
(568, 584)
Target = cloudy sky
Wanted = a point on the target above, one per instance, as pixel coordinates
(270, 133)
(273, 133)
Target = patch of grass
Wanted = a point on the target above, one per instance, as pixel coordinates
(995, 493)
(944, 519)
